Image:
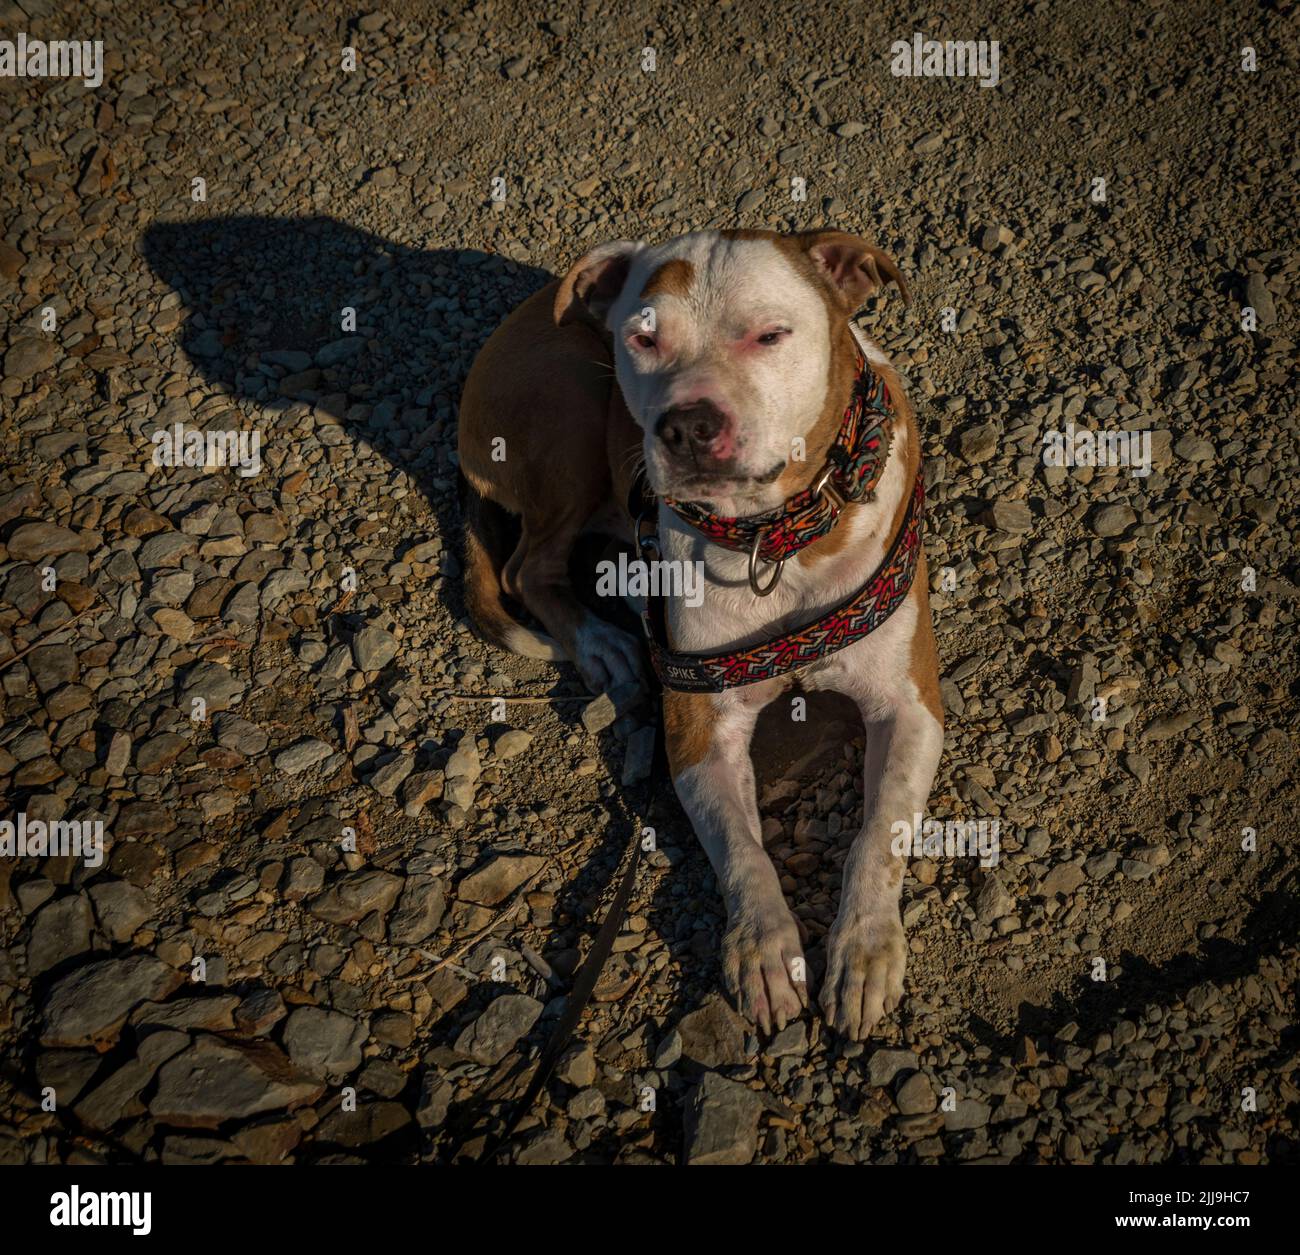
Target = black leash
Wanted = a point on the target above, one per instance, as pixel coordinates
(589, 973)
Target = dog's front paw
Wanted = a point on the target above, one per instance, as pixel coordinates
(765, 969)
(865, 960)
(607, 657)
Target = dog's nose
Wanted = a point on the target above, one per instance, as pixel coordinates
(695, 430)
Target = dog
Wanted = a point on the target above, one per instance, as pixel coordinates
(721, 367)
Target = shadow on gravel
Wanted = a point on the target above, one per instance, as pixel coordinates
(267, 298)
(1142, 982)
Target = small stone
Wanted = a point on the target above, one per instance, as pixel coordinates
(356, 896)
(324, 1043)
(464, 763)
(370, 1123)
(122, 908)
(302, 877)
(885, 1065)
(497, 879)
(994, 901)
(28, 357)
(240, 735)
(790, 1042)
(1111, 520)
(217, 1080)
(511, 744)
(1009, 516)
(32, 542)
(373, 649)
(60, 931)
(1260, 299)
(969, 1113)
(419, 911)
(302, 756)
(993, 237)
(915, 1096)
(577, 1066)
(978, 444)
(419, 789)
(1167, 726)
(119, 754)
(1063, 879)
(387, 778)
(493, 1035)
(174, 623)
(89, 1006)
(713, 1035)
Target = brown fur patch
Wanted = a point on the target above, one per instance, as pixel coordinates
(688, 728)
(673, 278)
(924, 668)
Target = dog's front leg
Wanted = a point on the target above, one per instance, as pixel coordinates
(865, 949)
(707, 739)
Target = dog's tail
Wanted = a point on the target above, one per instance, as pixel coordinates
(486, 544)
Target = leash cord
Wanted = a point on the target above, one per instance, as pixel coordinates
(585, 982)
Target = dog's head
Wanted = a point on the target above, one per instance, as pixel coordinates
(723, 345)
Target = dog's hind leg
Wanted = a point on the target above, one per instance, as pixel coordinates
(486, 579)
(605, 655)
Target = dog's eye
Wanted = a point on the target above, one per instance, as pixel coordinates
(773, 337)
(643, 341)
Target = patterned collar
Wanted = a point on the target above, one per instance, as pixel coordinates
(853, 467)
(856, 617)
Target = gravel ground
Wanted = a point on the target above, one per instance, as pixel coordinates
(341, 903)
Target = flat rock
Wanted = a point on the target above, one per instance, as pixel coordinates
(1167, 726)
(371, 1122)
(419, 911)
(1111, 520)
(60, 931)
(722, 1122)
(216, 1080)
(885, 1065)
(513, 743)
(373, 649)
(33, 541)
(355, 895)
(302, 755)
(89, 1006)
(28, 357)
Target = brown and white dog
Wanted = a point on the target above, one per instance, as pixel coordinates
(707, 358)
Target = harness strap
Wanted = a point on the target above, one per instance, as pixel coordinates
(856, 617)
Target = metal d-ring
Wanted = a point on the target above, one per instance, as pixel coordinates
(762, 590)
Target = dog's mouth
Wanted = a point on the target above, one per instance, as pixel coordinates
(701, 485)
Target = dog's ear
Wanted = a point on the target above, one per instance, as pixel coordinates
(593, 283)
(854, 268)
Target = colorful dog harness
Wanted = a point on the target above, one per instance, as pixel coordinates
(855, 465)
